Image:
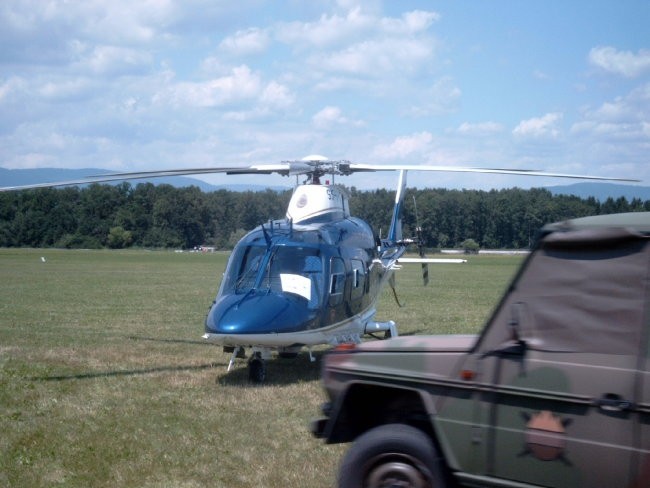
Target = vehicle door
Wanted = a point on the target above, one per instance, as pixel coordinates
(642, 474)
(559, 365)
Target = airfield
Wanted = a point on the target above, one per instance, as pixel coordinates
(105, 381)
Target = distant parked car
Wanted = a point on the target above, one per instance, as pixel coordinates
(555, 391)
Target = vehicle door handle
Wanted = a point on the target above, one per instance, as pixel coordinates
(612, 402)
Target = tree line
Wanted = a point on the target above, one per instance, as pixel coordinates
(163, 216)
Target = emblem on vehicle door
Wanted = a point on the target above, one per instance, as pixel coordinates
(545, 436)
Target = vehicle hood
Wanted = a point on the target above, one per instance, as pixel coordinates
(428, 343)
(418, 358)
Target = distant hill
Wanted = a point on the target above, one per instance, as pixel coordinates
(602, 191)
(17, 177)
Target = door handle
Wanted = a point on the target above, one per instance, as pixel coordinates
(612, 402)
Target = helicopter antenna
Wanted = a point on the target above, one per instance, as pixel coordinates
(267, 237)
(420, 240)
(392, 283)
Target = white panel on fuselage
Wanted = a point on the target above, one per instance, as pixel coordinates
(309, 201)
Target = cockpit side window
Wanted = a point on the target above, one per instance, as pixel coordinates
(337, 280)
(358, 278)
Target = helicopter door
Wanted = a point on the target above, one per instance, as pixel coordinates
(358, 288)
(337, 281)
(336, 291)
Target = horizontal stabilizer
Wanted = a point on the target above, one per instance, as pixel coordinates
(431, 260)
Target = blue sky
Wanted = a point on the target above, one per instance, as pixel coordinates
(157, 84)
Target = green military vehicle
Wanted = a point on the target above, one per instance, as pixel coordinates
(555, 391)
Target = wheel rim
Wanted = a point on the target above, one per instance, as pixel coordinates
(397, 471)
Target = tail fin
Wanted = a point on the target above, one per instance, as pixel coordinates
(395, 232)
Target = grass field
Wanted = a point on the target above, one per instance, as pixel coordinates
(104, 380)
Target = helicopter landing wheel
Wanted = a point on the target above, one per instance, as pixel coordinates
(257, 368)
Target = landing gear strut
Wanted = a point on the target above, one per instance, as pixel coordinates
(257, 368)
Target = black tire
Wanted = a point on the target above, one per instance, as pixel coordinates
(257, 370)
(392, 455)
(287, 355)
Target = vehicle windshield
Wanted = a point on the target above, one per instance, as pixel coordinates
(296, 270)
(290, 269)
(242, 271)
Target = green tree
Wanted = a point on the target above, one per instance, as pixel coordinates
(470, 246)
(119, 238)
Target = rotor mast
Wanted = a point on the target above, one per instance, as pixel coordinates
(314, 200)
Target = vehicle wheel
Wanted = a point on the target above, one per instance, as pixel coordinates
(257, 370)
(393, 455)
(288, 355)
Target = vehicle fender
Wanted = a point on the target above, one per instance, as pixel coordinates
(367, 404)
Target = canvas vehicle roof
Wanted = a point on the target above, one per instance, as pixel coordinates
(583, 289)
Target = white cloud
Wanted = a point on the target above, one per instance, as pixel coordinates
(376, 58)
(363, 44)
(624, 63)
(115, 60)
(441, 97)
(541, 75)
(41, 31)
(404, 146)
(539, 128)
(410, 23)
(335, 82)
(66, 88)
(645, 129)
(122, 21)
(615, 136)
(331, 116)
(168, 82)
(241, 95)
(480, 128)
(624, 118)
(244, 42)
(330, 30)
(327, 31)
(11, 86)
(328, 116)
(277, 95)
(240, 84)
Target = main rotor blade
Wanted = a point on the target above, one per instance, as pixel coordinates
(313, 168)
(358, 167)
(282, 168)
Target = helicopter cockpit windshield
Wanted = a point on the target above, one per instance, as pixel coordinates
(242, 274)
(281, 269)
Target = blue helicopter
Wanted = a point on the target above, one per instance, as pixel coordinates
(313, 277)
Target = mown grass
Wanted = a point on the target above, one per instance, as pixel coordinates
(104, 380)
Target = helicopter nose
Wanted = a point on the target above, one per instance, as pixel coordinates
(257, 313)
